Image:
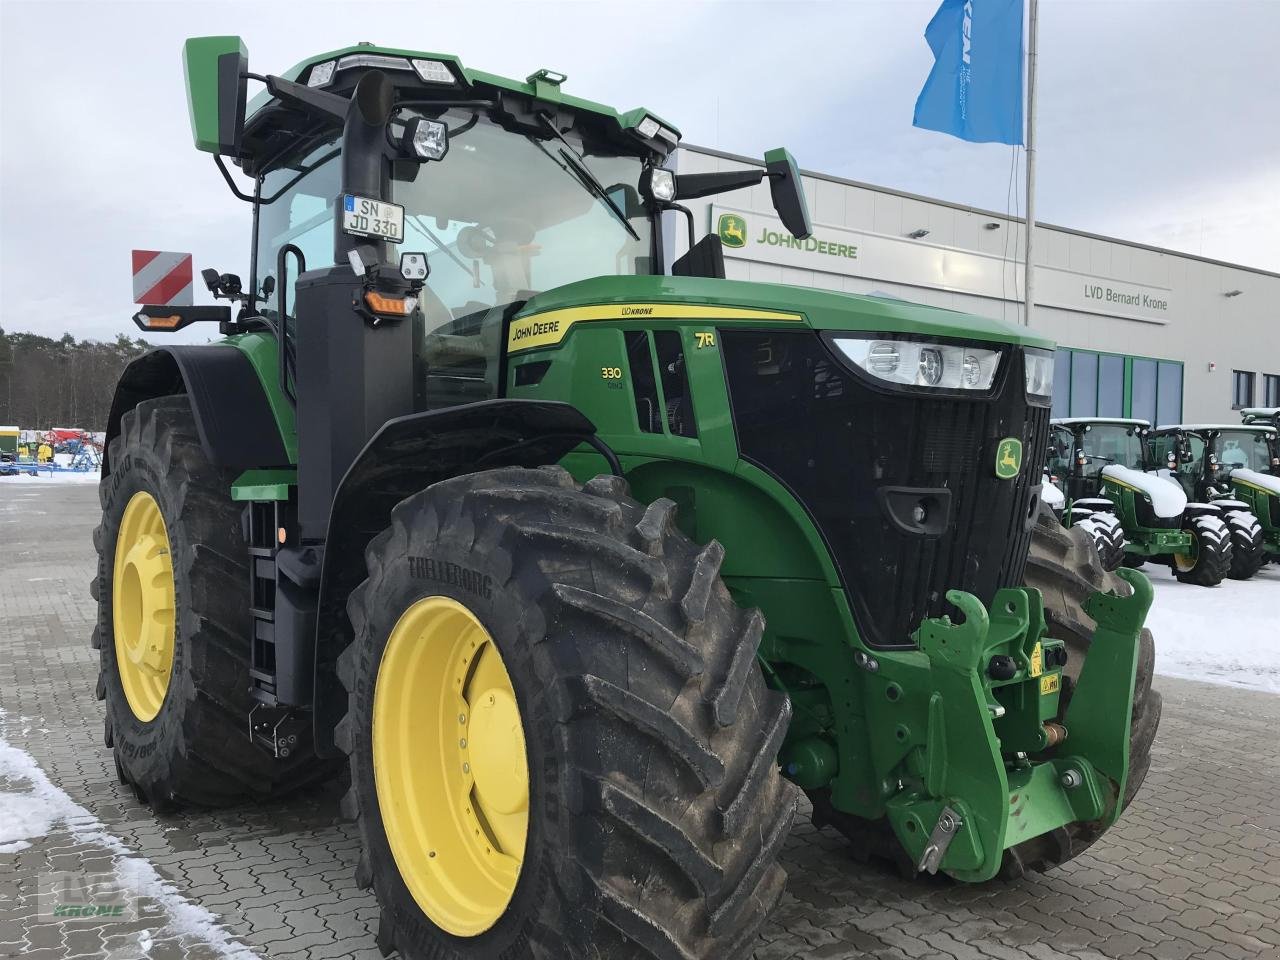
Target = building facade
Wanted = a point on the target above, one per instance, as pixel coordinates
(1142, 332)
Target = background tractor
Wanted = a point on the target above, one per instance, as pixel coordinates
(1074, 487)
(1227, 466)
(580, 559)
(1130, 503)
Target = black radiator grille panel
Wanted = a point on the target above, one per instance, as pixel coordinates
(834, 441)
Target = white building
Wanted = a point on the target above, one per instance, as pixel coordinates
(1142, 331)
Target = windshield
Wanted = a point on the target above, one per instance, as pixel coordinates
(501, 217)
(1243, 448)
(504, 215)
(1107, 443)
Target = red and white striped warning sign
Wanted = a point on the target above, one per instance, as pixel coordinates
(162, 278)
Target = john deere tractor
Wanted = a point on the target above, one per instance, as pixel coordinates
(1227, 465)
(582, 560)
(1131, 504)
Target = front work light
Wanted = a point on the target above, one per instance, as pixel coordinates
(1039, 368)
(426, 139)
(658, 184)
(321, 74)
(914, 363)
(432, 71)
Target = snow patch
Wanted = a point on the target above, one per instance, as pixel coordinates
(186, 919)
(1050, 494)
(1239, 616)
(1263, 481)
(23, 817)
(55, 476)
(1167, 499)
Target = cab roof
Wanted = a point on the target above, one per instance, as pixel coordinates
(1203, 427)
(1077, 421)
(541, 85)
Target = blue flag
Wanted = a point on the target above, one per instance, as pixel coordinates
(974, 91)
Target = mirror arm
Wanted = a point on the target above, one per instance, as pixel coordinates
(308, 98)
(691, 186)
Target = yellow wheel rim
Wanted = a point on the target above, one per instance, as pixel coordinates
(143, 606)
(449, 766)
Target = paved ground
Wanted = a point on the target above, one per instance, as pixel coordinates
(1192, 871)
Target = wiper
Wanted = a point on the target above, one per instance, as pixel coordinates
(584, 174)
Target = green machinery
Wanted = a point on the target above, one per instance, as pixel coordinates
(1105, 467)
(1228, 466)
(582, 559)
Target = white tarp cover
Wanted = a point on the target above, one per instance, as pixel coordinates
(1256, 479)
(1167, 499)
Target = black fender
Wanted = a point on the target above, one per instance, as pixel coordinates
(233, 417)
(406, 455)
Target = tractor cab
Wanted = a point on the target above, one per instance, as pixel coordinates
(1267, 416)
(1207, 455)
(1080, 448)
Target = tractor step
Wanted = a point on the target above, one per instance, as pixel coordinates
(262, 520)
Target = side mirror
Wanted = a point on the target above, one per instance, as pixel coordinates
(788, 192)
(217, 87)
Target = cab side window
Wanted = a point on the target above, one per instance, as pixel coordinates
(1060, 452)
(303, 216)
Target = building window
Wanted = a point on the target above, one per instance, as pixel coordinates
(1271, 390)
(1241, 389)
(1084, 384)
(1143, 392)
(1168, 392)
(1110, 386)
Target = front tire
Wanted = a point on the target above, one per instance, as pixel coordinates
(1210, 559)
(652, 803)
(1108, 538)
(173, 624)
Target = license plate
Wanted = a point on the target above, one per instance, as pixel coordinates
(362, 217)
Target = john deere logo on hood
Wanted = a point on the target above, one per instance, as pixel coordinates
(732, 230)
(1008, 458)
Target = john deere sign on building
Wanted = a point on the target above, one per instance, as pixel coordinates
(733, 234)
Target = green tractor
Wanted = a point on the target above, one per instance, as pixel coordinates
(1227, 466)
(584, 561)
(1105, 469)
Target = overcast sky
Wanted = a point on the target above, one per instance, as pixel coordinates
(1159, 119)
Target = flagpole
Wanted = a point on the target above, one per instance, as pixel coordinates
(1028, 286)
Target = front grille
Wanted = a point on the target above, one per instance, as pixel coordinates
(834, 440)
(1145, 513)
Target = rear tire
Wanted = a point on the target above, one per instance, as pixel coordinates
(195, 749)
(655, 807)
(1064, 567)
(1212, 552)
(1248, 546)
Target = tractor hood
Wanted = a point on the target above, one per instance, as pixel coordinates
(618, 298)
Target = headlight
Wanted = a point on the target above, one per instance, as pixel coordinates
(426, 139)
(1039, 367)
(917, 364)
(432, 71)
(659, 184)
(321, 74)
